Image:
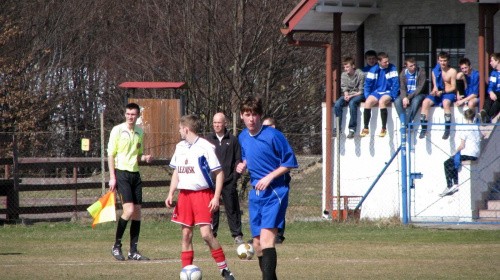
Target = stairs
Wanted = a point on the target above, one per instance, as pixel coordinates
(492, 211)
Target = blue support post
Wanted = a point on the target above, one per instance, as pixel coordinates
(404, 179)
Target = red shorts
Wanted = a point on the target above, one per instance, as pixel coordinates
(192, 208)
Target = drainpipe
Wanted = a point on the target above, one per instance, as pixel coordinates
(329, 78)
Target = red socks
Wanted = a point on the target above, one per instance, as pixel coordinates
(187, 258)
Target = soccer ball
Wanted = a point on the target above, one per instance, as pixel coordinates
(245, 251)
(190, 272)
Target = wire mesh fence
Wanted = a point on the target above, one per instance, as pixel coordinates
(458, 178)
(59, 180)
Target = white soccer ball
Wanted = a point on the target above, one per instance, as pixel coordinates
(190, 272)
(245, 251)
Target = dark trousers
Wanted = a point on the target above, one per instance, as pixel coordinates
(491, 107)
(232, 206)
(353, 109)
(450, 172)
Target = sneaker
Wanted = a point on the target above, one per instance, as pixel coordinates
(227, 275)
(116, 251)
(250, 241)
(364, 132)
(446, 135)
(383, 132)
(238, 240)
(422, 134)
(445, 192)
(483, 116)
(137, 256)
(351, 134)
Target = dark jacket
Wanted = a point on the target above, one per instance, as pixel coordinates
(421, 80)
(228, 152)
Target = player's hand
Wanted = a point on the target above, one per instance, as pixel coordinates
(147, 158)
(406, 101)
(493, 96)
(347, 98)
(263, 183)
(112, 185)
(459, 103)
(214, 205)
(169, 202)
(240, 168)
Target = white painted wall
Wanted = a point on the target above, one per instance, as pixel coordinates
(362, 159)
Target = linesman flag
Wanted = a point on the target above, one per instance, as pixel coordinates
(103, 210)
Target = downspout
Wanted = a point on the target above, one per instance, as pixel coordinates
(329, 78)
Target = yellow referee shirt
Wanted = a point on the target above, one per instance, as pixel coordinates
(125, 146)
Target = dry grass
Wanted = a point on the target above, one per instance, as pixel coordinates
(313, 250)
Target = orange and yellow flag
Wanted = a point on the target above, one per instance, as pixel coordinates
(103, 210)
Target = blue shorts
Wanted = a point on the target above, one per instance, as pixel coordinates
(378, 95)
(438, 100)
(267, 209)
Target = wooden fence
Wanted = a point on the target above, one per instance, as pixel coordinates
(11, 185)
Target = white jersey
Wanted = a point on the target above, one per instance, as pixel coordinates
(194, 164)
(472, 137)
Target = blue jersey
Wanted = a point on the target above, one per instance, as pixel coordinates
(494, 84)
(438, 75)
(265, 152)
(366, 68)
(472, 83)
(411, 81)
(382, 81)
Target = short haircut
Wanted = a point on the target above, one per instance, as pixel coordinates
(271, 120)
(190, 121)
(410, 59)
(132, 106)
(253, 105)
(496, 56)
(470, 114)
(382, 55)
(348, 60)
(464, 61)
(370, 53)
(444, 55)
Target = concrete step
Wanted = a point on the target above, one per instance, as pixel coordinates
(489, 214)
(493, 204)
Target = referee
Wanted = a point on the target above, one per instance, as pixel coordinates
(125, 150)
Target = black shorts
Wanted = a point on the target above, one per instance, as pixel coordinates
(129, 186)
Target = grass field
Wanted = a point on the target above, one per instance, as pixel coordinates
(313, 250)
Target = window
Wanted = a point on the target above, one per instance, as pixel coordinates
(424, 42)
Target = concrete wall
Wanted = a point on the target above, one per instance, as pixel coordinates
(362, 159)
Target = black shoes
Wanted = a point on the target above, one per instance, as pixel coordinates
(137, 256)
(116, 251)
(227, 275)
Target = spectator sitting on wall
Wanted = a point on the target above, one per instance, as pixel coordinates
(370, 59)
(412, 81)
(469, 149)
(352, 84)
(491, 105)
(442, 94)
(469, 80)
(381, 87)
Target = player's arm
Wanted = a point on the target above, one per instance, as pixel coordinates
(174, 181)
(266, 181)
(112, 174)
(434, 86)
(145, 158)
(240, 168)
(219, 180)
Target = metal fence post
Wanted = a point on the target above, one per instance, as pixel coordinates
(404, 185)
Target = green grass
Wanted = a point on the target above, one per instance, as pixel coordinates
(312, 250)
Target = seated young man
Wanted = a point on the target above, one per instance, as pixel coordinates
(442, 94)
(370, 59)
(352, 82)
(491, 106)
(470, 80)
(412, 81)
(381, 87)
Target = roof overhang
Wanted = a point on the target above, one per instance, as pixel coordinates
(171, 85)
(317, 15)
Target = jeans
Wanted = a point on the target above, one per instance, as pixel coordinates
(353, 109)
(411, 110)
